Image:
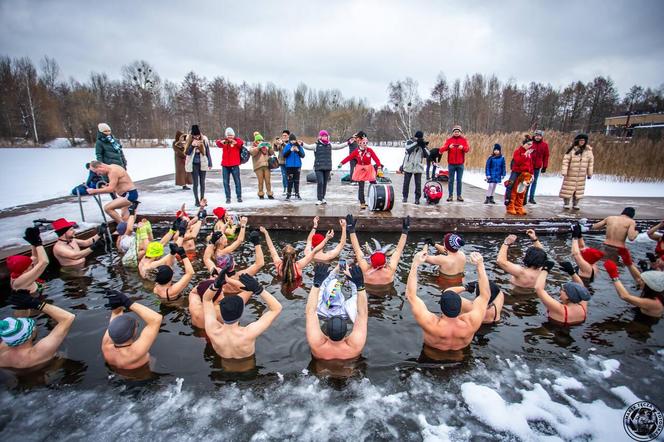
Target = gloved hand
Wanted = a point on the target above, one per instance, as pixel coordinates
(98, 245)
(32, 236)
(350, 224)
(625, 256)
(611, 269)
(651, 257)
(251, 284)
(471, 287)
(568, 268)
(356, 276)
(405, 225)
(339, 166)
(255, 237)
(321, 271)
(117, 299)
(643, 265)
(182, 228)
(181, 253)
(576, 231)
(220, 280)
(21, 300)
(215, 237)
(429, 242)
(101, 229)
(132, 208)
(202, 214)
(548, 265)
(543, 170)
(176, 225)
(173, 248)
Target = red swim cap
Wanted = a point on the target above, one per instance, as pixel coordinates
(317, 239)
(219, 212)
(592, 255)
(18, 264)
(377, 259)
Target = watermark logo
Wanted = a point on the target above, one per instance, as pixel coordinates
(643, 421)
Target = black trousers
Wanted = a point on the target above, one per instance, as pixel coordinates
(198, 176)
(418, 184)
(360, 191)
(293, 174)
(322, 177)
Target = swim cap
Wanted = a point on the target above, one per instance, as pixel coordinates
(122, 329)
(219, 212)
(202, 287)
(336, 328)
(323, 133)
(231, 308)
(535, 257)
(576, 292)
(629, 211)
(591, 255)
(654, 279)
(229, 132)
(154, 250)
(164, 275)
(181, 213)
(450, 303)
(317, 239)
(225, 262)
(377, 260)
(16, 331)
(474, 287)
(121, 228)
(453, 242)
(18, 264)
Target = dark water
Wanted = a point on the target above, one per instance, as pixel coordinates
(523, 379)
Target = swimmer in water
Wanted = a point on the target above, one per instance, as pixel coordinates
(189, 227)
(316, 238)
(452, 330)
(618, 228)
(18, 347)
(289, 268)
(122, 346)
(70, 251)
(656, 233)
(651, 283)
(451, 260)
(218, 245)
(523, 277)
(377, 272)
(333, 343)
(586, 259)
(25, 271)
(572, 309)
(164, 287)
(119, 183)
(228, 338)
(496, 301)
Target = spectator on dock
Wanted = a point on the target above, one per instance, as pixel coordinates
(293, 153)
(456, 147)
(182, 177)
(540, 162)
(323, 162)
(495, 172)
(231, 147)
(577, 165)
(352, 147)
(416, 153)
(198, 160)
(516, 187)
(364, 171)
(260, 152)
(108, 149)
(279, 144)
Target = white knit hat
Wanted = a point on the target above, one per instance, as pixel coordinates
(229, 132)
(103, 126)
(16, 331)
(654, 279)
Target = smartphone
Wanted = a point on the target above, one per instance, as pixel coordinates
(342, 265)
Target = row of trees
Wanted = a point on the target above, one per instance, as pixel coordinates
(37, 104)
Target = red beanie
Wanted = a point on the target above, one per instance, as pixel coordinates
(592, 255)
(317, 239)
(377, 260)
(181, 213)
(219, 212)
(18, 264)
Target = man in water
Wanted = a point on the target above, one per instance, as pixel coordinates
(451, 262)
(618, 228)
(228, 338)
(334, 344)
(70, 251)
(122, 346)
(453, 330)
(523, 277)
(120, 183)
(18, 348)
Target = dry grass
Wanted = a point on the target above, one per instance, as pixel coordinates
(640, 159)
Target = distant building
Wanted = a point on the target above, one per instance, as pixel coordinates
(641, 125)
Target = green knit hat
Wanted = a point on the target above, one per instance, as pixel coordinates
(16, 331)
(258, 136)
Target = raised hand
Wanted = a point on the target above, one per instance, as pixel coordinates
(117, 299)
(568, 268)
(576, 231)
(342, 223)
(509, 240)
(350, 224)
(251, 284)
(531, 234)
(405, 225)
(21, 300)
(476, 259)
(173, 248)
(255, 237)
(356, 276)
(611, 269)
(321, 271)
(243, 221)
(329, 234)
(215, 237)
(420, 257)
(263, 230)
(548, 265)
(316, 219)
(32, 236)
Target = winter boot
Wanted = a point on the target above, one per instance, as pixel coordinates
(531, 200)
(575, 204)
(487, 200)
(491, 200)
(566, 203)
(518, 204)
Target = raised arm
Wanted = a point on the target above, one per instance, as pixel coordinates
(342, 242)
(551, 304)
(270, 246)
(632, 233)
(177, 288)
(533, 237)
(240, 237)
(46, 348)
(315, 337)
(339, 146)
(599, 225)
(396, 256)
(31, 275)
(309, 146)
(482, 301)
(421, 314)
(503, 262)
(307, 247)
(358, 336)
(576, 253)
(150, 331)
(653, 232)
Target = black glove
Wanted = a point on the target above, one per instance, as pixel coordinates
(32, 236)
(117, 299)
(576, 231)
(182, 228)
(255, 237)
(430, 242)
(471, 287)
(202, 214)
(21, 300)
(132, 208)
(643, 265)
(651, 257)
(543, 170)
(101, 229)
(215, 237)
(548, 265)
(179, 251)
(350, 224)
(405, 225)
(568, 268)
(98, 245)
(320, 273)
(176, 224)
(220, 280)
(237, 229)
(357, 277)
(251, 284)
(173, 247)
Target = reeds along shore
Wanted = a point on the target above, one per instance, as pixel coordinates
(639, 159)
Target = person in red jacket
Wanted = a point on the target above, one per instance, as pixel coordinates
(540, 161)
(456, 147)
(230, 163)
(522, 173)
(363, 171)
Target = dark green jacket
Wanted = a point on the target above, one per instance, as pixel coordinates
(108, 154)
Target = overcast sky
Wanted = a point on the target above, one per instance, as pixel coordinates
(355, 46)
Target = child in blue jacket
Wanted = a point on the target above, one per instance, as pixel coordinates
(495, 172)
(293, 154)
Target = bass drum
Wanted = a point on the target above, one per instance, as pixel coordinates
(381, 197)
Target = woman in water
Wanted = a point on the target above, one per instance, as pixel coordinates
(651, 301)
(572, 309)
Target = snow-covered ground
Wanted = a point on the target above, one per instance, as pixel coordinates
(30, 175)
